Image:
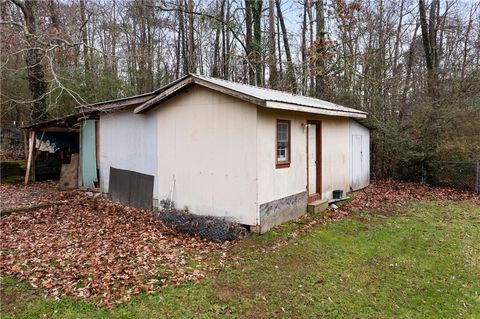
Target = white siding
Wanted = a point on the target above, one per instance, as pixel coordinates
(207, 145)
(360, 155)
(335, 155)
(276, 183)
(128, 141)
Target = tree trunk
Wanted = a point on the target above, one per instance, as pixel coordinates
(429, 42)
(320, 49)
(249, 41)
(33, 58)
(290, 70)
(83, 17)
(191, 40)
(257, 40)
(226, 40)
(272, 68)
(304, 50)
(216, 45)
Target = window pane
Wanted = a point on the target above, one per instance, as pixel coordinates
(282, 130)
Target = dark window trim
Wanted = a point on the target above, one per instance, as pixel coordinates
(283, 164)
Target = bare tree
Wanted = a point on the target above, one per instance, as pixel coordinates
(271, 45)
(292, 82)
(33, 59)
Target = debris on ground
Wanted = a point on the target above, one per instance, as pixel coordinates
(210, 228)
(95, 248)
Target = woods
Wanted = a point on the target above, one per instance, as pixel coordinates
(412, 65)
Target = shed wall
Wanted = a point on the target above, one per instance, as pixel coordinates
(128, 141)
(335, 155)
(276, 183)
(207, 151)
(282, 191)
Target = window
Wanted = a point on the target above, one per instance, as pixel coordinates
(283, 144)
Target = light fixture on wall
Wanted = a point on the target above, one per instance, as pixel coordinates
(305, 127)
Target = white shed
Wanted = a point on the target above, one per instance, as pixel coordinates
(252, 155)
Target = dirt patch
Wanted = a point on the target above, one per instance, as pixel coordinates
(230, 291)
(95, 248)
(14, 294)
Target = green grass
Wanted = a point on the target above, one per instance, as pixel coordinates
(421, 260)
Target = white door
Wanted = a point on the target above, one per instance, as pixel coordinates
(357, 159)
(365, 161)
(312, 159)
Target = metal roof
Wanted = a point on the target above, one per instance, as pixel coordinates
(267, 98)
(264, 97)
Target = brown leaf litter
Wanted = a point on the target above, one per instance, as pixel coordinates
(16, 195)
(95, 248)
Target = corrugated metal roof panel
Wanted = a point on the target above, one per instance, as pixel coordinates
(277, 96)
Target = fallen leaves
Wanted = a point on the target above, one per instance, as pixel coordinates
(387, 192)
(15, 195)
(382, 194)
(94, 248)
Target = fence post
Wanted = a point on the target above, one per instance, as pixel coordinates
(424, 173)
(478, 177)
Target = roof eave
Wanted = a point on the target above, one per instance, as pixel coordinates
(314, 110)
(124, 101)
(65, 121)
(166, 93)
(188, 81)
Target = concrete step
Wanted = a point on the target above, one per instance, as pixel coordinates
(317, 206)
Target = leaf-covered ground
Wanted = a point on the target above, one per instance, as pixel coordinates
(92, 247)
(18, 194)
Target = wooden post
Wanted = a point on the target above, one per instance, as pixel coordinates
(31, 146)
(478, 177)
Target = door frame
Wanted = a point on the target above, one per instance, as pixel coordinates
(318, 192)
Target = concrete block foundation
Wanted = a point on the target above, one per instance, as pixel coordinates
(278, 211)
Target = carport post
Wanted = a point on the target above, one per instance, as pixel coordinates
(30, 155)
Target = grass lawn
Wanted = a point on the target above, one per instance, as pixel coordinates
(418, 260)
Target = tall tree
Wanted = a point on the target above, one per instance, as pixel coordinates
(192, 59)
(320, 49)
(257, 39)
(249, 41)
(429, 36)
(292, 81)
(272, 58)
(33, 59)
